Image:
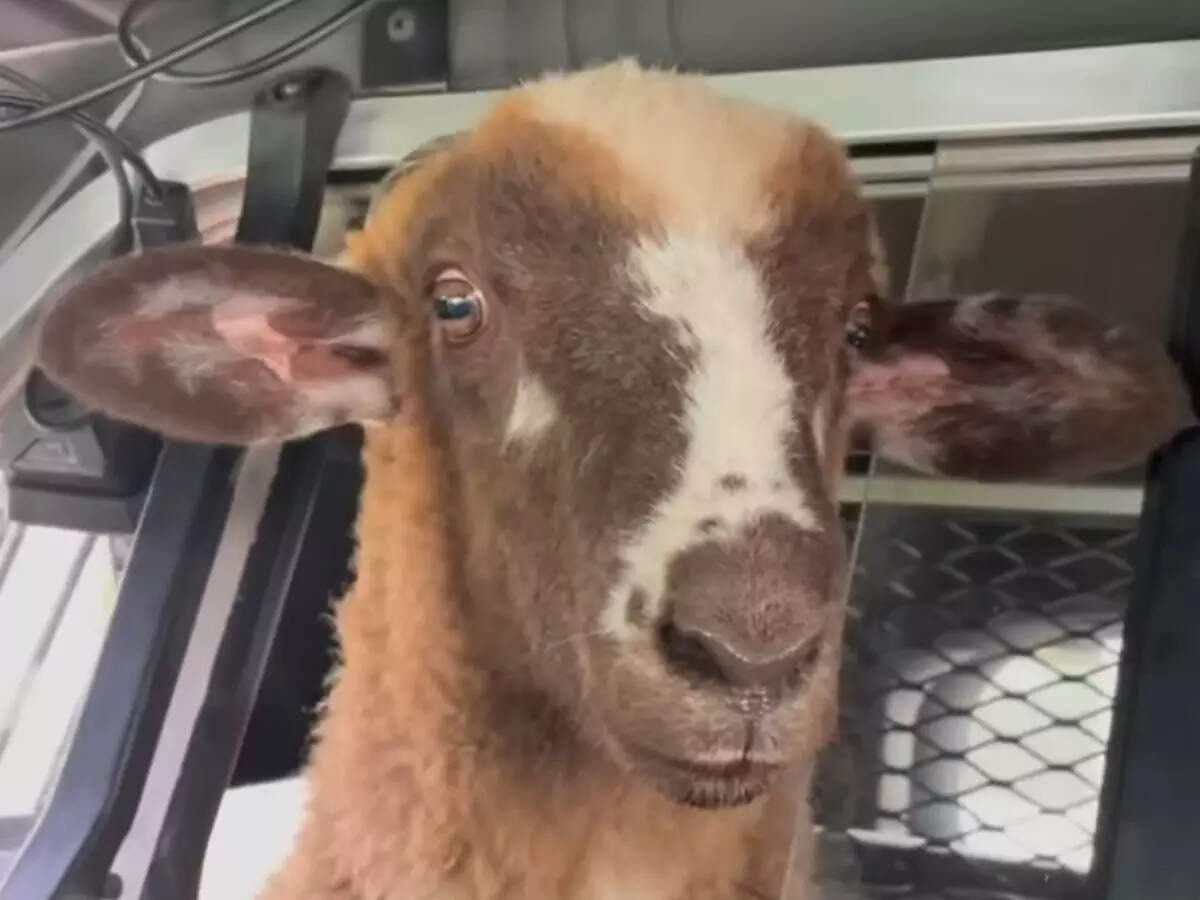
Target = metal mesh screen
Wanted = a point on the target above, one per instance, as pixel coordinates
(978, 682)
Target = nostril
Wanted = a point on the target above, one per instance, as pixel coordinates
(698, 653)
(688, 653)
(804, 661)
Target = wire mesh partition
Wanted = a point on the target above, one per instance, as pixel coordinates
(980, 669)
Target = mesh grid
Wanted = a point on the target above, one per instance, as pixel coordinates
(978, 682)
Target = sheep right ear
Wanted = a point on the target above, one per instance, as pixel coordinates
(1000, 388)
(227, 344)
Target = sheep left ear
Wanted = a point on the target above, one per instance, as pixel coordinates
(998, 388)
(223, 344)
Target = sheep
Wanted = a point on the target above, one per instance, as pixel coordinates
(609, 348)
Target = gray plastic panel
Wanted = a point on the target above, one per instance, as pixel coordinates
(495, 42)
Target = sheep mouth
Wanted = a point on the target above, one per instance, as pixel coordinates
(706, 785)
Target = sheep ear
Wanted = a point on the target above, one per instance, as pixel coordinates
(1001, 388)
(226, 344)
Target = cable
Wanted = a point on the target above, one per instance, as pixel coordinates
(112, 159)
(184, 51)
(104, 136)
(40, 108)
(114, 150)
(135, 55)
(31, 87)
(111, 146)
(106, 142)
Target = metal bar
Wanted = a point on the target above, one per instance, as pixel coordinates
(910, 867)
(916, 490)
(69, 853)
(14, 534)
(1147, 832)
(256, 474)
(307, 472)
(12, 716)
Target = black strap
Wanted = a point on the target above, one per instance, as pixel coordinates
(294, 129)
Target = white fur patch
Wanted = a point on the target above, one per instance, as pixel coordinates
(534, 411)
(366, 330)
(672, 133)
(175, 294)
(971, 312)
(738, 416)
(820, 425)
(328, 402)
(880, 271)
(193, 357)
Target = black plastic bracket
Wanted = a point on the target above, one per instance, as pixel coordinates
(1149, 829)
(68, 466)
(164, 220)
(405, 43)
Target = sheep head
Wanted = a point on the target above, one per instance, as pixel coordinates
(646, 320)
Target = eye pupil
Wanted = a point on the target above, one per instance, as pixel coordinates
(458, 306)
(858, 327)
(454, 308)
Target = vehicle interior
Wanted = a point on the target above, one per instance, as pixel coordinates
(1018, 695)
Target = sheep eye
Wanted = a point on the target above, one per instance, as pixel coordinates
(858, 325)
(458, 305)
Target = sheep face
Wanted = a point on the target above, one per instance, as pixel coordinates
(643, 396)
(642, 321)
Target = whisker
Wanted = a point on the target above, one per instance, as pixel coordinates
(595, 632)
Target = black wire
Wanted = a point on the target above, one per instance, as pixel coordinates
(31, 87)
(104, 136)
(112, 148)
(166, 60)
(104, 140)
(135, 55)
(115, 163)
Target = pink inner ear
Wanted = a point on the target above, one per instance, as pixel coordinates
(902, 389)
(243, 323)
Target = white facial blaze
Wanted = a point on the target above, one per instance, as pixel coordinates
(533, 413)
(738, 415)
(820, 425)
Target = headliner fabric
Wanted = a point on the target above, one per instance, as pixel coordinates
(494, 43)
